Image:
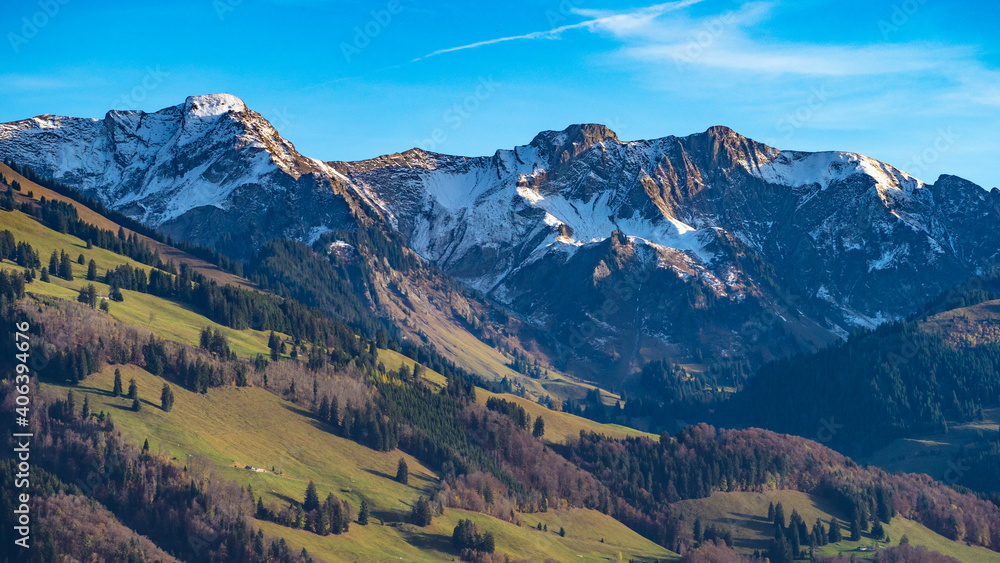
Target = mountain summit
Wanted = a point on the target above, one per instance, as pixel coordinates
(613, 252)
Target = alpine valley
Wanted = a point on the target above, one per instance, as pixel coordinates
(534, 339)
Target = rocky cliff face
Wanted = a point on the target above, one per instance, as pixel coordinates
(700, 247)
(769, 247)
(197, 170)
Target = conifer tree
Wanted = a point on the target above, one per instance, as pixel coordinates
(311, 501)
(779, 516)
(422, 513)
(133, 389)
(539, 430)
(71, 405)
(65, 267)
(117, 391)
(167, 398)
(855, 526)
(334, 413)
(363, 513)
(323, 412)
(92, 271)
(402, 472)
(878, 531)
(272, 344)
(835, 533)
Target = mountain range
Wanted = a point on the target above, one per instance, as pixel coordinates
(608, 253)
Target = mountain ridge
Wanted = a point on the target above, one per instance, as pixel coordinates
(737, 225)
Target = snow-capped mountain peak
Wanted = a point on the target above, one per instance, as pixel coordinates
(213, 105)
(541, 226)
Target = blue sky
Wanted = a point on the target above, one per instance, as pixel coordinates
(913, 82)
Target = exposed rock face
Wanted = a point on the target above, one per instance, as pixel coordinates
(722, 245)
(197, 170)
(775, 249)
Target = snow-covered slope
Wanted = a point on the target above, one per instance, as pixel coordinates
(210, 154)
(836, 240)
(723, 245)
(484, 218)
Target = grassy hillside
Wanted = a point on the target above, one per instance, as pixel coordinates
(426, 315)
(210, 271)
(935, 454)
(167, 319)
(227, 429)
(746, 515)
(558, 425)
(971, 326)
(584, 531)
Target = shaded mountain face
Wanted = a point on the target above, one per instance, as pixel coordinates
(611, 253)
(729, 247)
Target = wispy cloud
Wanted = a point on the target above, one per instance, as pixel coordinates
(30, 83)
(615, 22)
(752, 57)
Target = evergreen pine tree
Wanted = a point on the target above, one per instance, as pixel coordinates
(136, 405)
(65, 267)
(86, 407)
(878, 531)
(133, 389)
(311, 501)
(323, 412)
(539, 429)
(779, 516)
(335, 413)
(402, 472)
(167, 398)
(92, 271)
(422, 513)
(855, 527)
(117, 391)
(363, 513)
(835, 533)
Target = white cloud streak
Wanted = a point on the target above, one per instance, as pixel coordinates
(613, 22)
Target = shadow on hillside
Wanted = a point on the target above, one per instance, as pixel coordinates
(300, 411)
(128, 406)
(93, 390)
(381, 474)
(751, 517)
(288, 499)
(750, 522)
(425, 542)
(389, 517)
(413, 475)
